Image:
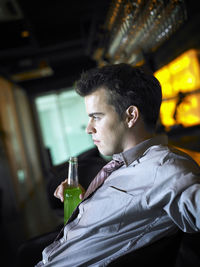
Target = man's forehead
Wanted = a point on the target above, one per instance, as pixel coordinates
(97, 102)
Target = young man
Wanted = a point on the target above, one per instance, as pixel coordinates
(153, 193)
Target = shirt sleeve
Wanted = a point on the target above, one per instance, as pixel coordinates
(181, 194)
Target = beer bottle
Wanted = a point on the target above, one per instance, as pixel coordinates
(73, 191)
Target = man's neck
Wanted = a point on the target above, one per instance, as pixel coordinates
(134, 140)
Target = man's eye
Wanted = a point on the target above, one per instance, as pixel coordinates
(96, 118)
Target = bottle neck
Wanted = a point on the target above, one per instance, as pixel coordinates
(73, 172)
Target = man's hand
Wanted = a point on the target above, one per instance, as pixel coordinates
(59, 192)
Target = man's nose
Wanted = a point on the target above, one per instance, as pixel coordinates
(90, 129)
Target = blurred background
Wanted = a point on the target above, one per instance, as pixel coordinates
(45, 45)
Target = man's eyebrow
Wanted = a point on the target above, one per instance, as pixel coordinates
(95, 114)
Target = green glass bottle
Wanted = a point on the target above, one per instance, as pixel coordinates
(73, 191)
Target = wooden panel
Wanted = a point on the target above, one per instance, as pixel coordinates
(18, 138)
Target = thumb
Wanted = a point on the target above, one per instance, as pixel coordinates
(81, 196)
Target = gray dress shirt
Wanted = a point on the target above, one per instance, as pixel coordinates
(156, 192)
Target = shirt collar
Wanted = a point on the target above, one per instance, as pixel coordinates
(137, 151)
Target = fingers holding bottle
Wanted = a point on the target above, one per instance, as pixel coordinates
(59, 192)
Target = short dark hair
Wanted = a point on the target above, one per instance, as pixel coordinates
(126, 85)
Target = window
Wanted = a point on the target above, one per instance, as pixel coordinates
(63, 120)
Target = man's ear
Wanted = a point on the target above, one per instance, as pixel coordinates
(132, 115)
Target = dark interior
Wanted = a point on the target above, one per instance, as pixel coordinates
(45, 46)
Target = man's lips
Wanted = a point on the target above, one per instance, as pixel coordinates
(96, 141)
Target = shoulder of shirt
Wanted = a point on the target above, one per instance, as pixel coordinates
(180, 159)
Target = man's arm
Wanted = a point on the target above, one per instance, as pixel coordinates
(181, 192)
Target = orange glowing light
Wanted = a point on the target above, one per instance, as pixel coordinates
(182, 75)
(25, 34)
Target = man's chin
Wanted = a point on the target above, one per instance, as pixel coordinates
(104, 152)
